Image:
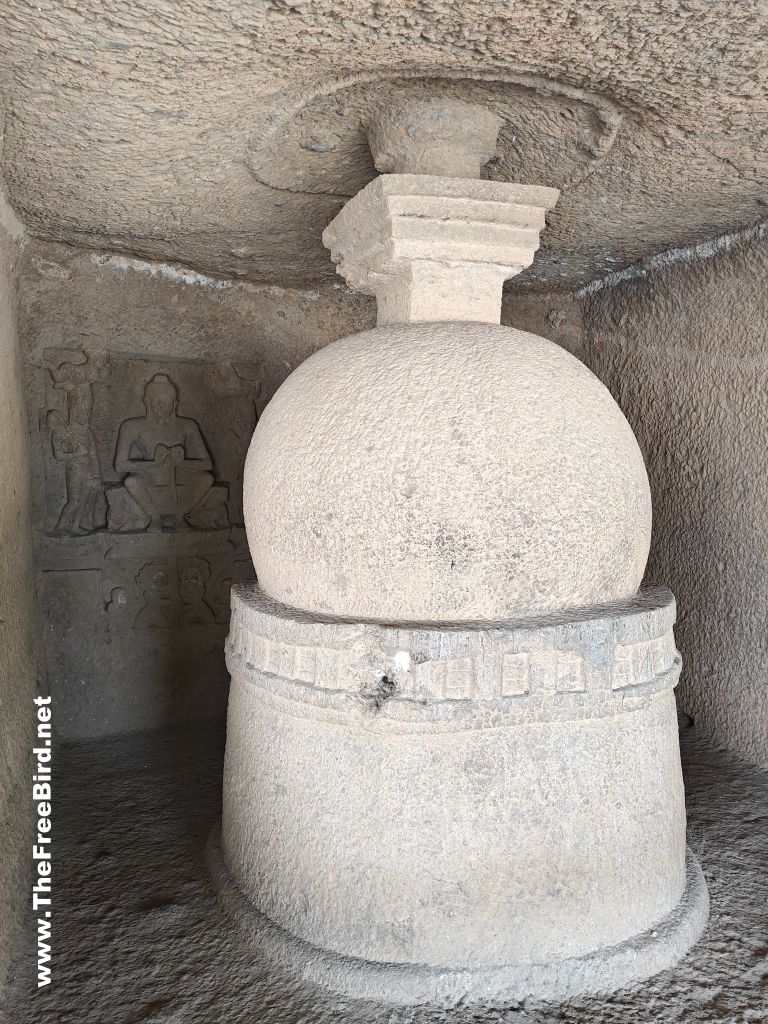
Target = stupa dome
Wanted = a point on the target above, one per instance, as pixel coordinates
(445, 472)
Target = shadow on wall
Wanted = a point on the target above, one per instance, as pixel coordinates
(139, 533)
(684, 350)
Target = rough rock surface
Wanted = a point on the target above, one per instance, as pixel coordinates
(133, 127)
(680, 341)
(498, 743)
(18, 623)
(683, 348)
(454, 139)
(139, 936)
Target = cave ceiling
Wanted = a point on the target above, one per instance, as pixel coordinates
(225, 135)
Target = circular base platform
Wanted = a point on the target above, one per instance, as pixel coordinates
(408, 984)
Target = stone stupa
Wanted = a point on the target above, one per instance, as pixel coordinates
(452, 766)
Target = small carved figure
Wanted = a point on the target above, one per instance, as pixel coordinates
(118, 601)
(168, 480)
(194, 573)
(74, 444)
(153, 582)
(121, 608)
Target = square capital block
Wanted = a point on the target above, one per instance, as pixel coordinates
(437, 249)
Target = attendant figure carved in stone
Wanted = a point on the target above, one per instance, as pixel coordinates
(153, 583)
(168, 480)
(118, 602)
(194, 574)
(74, 444)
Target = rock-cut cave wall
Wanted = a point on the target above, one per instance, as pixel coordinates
(683, 346)
(18, 626)
(135, 593)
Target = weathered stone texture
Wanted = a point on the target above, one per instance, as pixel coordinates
(18, 623)
(423, 771)
(147, 128)
(683, 348)
(498, 799)
(449, 472)
(138, 508)
(681, 344)
(437, 248)
(172, 952)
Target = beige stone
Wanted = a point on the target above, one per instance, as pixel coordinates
(450, 472)
(680, 341)
(389, 792)
(695, 389)
(452, 764)
(153, 605)
(437, 248)
(137, 139)
(448, 138)
(226, 136)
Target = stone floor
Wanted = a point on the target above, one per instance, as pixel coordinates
(138, 936)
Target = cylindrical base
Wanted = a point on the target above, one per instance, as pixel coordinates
(606, 970)
(497, 805)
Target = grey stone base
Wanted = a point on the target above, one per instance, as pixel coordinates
(615, 967)
(500, 806)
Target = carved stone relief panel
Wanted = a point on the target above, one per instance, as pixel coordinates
(138, 484)
(166, 580)
(132, 444)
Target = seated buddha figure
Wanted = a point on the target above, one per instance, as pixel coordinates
(168, 481)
